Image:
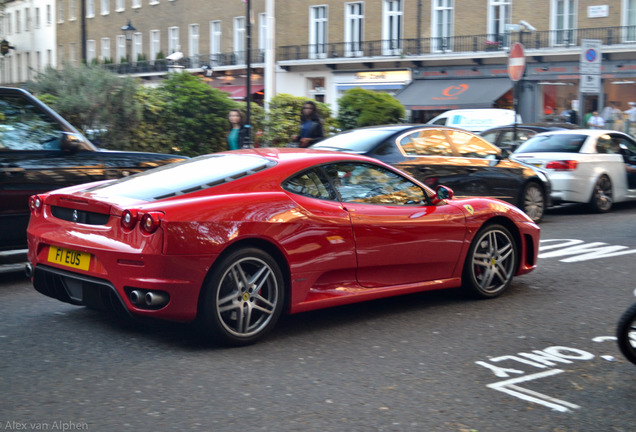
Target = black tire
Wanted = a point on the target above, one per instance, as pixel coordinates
(626, 333)
(243, 298)
(491, 262)
(533, 201)
(602, 196)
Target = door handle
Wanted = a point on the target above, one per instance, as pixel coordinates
(472, 170)
(424, 168)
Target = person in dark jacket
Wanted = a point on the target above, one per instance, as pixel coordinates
(310, 126)
(237, 136)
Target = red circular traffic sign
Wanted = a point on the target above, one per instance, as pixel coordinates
(516, 62)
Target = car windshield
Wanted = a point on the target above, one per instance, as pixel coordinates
(358, 141)
(185, 177)
(560, 143)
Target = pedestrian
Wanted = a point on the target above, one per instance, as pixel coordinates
(596, 121)
(630, 122)
(238, 134)
(310, 126)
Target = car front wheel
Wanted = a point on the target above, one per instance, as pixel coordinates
(533, 201)
(243, 298)
(491, 262)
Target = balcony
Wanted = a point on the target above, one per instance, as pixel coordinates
(615, 37)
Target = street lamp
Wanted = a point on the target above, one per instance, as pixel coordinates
(128, 30)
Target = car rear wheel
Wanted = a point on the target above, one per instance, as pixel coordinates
(491, 262)
(533, 203)
(602, 197)
(243, 298)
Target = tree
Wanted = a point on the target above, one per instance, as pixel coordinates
(359, 107)
(91, 98)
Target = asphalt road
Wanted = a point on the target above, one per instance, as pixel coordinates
(539, 358)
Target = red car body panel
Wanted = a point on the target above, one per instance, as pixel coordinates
(332, 253)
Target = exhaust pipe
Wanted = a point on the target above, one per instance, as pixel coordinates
(136, 297)
(156, 298)
(28, 270)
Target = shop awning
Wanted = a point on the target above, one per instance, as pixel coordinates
(423, 94)
(240, 92)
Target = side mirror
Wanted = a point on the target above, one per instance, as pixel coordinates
(70, 143)
(505, 153)
(442, 193)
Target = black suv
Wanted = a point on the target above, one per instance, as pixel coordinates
(39, 152)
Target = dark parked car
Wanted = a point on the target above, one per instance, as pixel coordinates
(39, 152)
(453, 157)
(503, 136)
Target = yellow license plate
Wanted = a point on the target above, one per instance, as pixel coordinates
(69, 258)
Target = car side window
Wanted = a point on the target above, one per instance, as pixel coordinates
(604, 145)
(471, 146)
(23, 126)
(426, 142)
(310, 184)
(371, 184)
(491, 137)
(507, 138)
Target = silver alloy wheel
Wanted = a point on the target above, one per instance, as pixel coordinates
(247, 296)
(534, 202)
(602, 197)
(493, 261)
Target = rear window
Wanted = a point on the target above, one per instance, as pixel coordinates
(359, 141)
(560, 143)
(184, 177)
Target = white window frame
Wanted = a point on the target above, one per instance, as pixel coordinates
(90, 8)
(499, 15)
(9, 24)
(120, 48)
(105, 49)
(442, 23)
(318, 25)
(173, 40)
(105, 6)
(18, 24)
(137, 46)
(136, 4)
(354, 29)
(155, 44)
(49, 15)
(60, 13)
(215, 42)
(262, 36)
(120, 5)
(153, 2)
(72, 10)
(27, 19)
(563, 23)
(629, 19)
(392, 26)
(90, 51)
(193, 44)
(239, 40)
(38, 18)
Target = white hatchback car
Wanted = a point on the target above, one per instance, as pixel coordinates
(585, 165)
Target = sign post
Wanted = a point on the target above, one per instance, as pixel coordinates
(516, 68)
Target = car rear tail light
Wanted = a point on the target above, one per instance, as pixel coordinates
(35, 203)
(150, 222)
(129, 219)
(563, 165)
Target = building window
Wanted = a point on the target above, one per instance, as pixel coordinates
(120, 5)
(137, 47)
(17, 22)
(354, 18)
(155, 44)
(173, 40)
(9, 29)
(90, 51)
(60, 55)
(49, 14)
(72, 10)
(49, 57)
(60, 13)
(106, 50)
(38, 19)
(392, 19)
(27, 19)
(629, 20)
(563, 18)
(215, 43)
(121, 49)
(442, 25)
(318, 31)
(90, 8)
(153, 2)
(262, 36)
(105, 7)
(193, 44)
(498, 18)
(239, 40)
(136, 4)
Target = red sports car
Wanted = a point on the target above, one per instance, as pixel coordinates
(234, 239)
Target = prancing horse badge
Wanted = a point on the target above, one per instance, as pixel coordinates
(469, 209)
